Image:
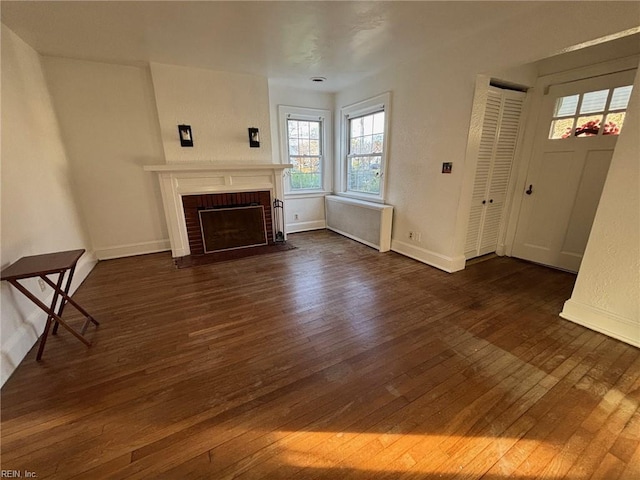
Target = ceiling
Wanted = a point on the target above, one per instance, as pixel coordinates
(288, 42)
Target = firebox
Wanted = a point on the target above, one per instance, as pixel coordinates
(234, 227)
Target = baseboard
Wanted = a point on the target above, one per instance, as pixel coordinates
(610, 324)
(24, 338)
(442, 262)
(108, 253)
(306, 226)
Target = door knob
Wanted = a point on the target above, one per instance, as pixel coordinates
(529, 191)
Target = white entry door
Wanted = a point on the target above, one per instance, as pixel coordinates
(575, 138)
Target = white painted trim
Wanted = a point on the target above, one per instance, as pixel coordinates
(25, 337)
(441, 262)
(129, 250)
(616, 326)
(306, 226)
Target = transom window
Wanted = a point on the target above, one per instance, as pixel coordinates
(364, 160)
(305, 153)
(582, 115)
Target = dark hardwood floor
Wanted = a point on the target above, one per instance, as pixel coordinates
(328, 361)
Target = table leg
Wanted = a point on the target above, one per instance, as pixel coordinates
(67, 287)
(47, 325)
(71, 301)
(49, 312)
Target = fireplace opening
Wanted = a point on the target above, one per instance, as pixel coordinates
(233, 227)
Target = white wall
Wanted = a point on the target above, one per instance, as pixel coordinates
(309, 209)
(109, 125)
(432, 100)
(606, 296)
(219, 106)
(39, 212)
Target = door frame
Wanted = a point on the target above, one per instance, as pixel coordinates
(524, 156)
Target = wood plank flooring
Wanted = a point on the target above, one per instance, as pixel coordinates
(330, 361)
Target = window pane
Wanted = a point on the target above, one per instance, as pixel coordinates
(367, 143)
(314, 130)
(364, 174)
(613, 124)
(355, 145)
(356, 127)
(378, 123)
(368, 124)
(561, 128)
(378, 143)
(566, 106)
(304, 129)
(620, 98)
(293, 146)
(594, 101)
(303, 147)
(293, 128)
(588, 126)
(314, 147)
(306, 173)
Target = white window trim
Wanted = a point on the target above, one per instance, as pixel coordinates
(285, 113)
(375, 104)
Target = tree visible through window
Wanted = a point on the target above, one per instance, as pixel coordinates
(364, 158)
(304, 138)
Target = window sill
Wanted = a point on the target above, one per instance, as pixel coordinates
(310, 194)
(364, 197)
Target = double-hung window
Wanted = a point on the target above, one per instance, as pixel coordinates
(365, 133)
(304, 134)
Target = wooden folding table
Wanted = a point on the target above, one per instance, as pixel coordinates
(41, 266)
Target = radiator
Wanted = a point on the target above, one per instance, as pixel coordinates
(365, 222)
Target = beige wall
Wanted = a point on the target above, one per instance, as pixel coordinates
(219, 106)
(606, 296)
(39, 210)
(110, 128)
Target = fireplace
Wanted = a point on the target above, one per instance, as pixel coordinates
(226, 221)
(190, 188)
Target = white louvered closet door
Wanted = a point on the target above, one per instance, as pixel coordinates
(493, 168)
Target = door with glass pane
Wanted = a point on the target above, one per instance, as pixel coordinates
(575, 138)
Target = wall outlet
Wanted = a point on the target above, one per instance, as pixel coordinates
(411, 235)
(295, 216)
(417, 236)
(43, 286)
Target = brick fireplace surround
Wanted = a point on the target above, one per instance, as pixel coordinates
(209, 180)
(192, 204)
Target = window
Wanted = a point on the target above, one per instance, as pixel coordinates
(364, 147)
(364, 160)
(305, 153)
(303, 141)
(582, 115)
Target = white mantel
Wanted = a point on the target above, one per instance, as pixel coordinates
(177, 180)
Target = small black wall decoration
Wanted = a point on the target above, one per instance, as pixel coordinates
(186, 138)
(254, 138)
